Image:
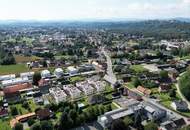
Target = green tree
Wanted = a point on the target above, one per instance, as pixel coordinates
(163, 74)
(128, 121)
(136, 82)
(186, 128)
(118, 125)
(14, 110)
(31, 122)
(65, 122)
(151, 126)
(172, 93)
(46, 125)
(36, 126)
(36, 78)
(19, 126)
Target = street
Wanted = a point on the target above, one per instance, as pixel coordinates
(110, 76)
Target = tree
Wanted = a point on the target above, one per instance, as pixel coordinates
(128, 121)
(14, 110)
(151, 126)
(36, 78)
(172, 93)
(45, 64)
(31, 122)
(36, 126)
(163, 74)
(118, 125)
(184, 84)
(108, 108)
(46, 125)
(186, 128)
(25, 105)
(65, 122)
(19, 126)
(136, 82)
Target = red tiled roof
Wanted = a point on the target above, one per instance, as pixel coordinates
(144, 90)
(16, 88)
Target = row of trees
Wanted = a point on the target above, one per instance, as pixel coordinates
(6, 57)
(184, 84)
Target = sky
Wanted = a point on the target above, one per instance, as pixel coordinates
(92, 9)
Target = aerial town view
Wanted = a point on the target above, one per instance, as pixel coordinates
(94, 64)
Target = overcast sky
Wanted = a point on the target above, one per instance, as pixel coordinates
(92, 9)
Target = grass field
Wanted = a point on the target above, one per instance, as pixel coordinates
(13, 69)
(24, 59)
(4, 125)
(138, 68)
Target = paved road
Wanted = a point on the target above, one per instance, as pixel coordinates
(169, 112)
(179, 92)
(110, 76)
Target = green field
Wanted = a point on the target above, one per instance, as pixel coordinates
(13, 69)
(138, 68)
(4, 125)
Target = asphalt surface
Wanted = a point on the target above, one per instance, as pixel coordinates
(110, 76)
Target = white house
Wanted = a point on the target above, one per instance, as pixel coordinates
(15, 81)
(58, 94)
(72, 70)
(73, 91)
(7, 77)
(179, 105)
(58, 72)
(27, 74)
(85, 87)
(45, 74)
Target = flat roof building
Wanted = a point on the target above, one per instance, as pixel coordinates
(58, 94)
(15, 81)
(85, 87)
(73, 91)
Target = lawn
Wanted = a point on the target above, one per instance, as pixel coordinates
(138, 68)
(20, 109)
(76, 79)
(33, 105)
(130, 85)
(185, 57)
(13, 69)
(4, 125)
(24, 59)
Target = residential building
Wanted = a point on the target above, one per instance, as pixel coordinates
(58, 94)
(179, 105)
(44, 85)
(143, 90)
(72, 70)
(164, 88)
(3, 112)
(85, 87)
(58, 72)
(106, 120)
(73, 91)
(45, 74)
(10, 82)
(22, 118)
(7, 77)
(153, 112)
(29, 75)
(174, 124)
(16, 88)
(100, 86)
(126, 102)
(133, 95)
(44, 114)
